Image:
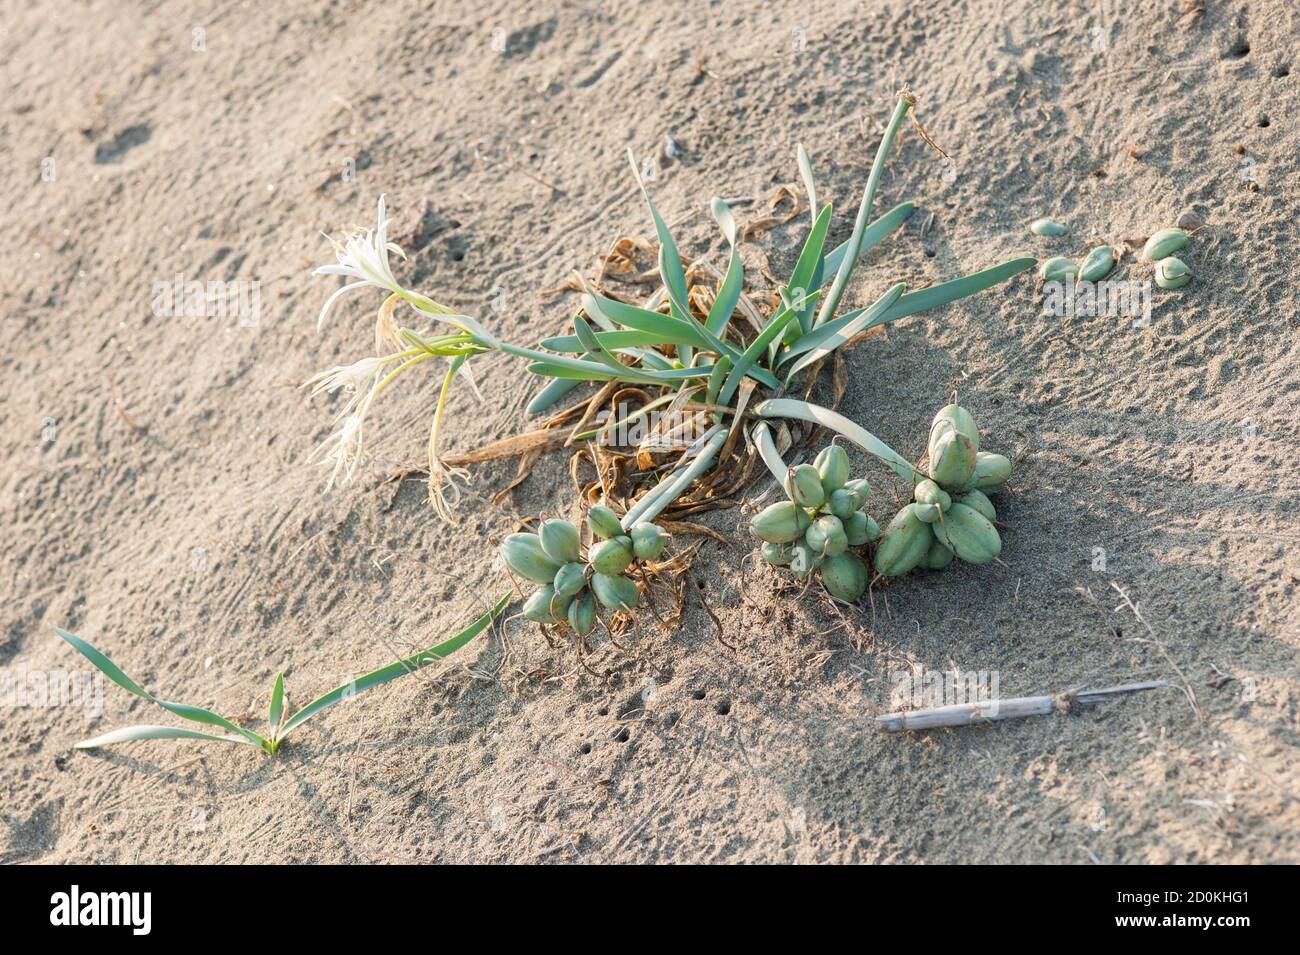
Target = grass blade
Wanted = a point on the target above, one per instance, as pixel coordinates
(398, 669)
(128, 734)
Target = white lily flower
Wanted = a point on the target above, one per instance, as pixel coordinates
(363, 256)
(358, 378)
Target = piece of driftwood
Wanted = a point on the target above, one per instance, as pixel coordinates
(964, 714)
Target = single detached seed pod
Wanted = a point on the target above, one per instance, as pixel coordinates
(1172, 272)
(826, 536)
(833, 466)
(780, 523)
(952, 459)
(970, 534)
(523, 554)
(1058, 269)
(582, 614)
(609, 557)
(1097, 264)
(603, 522)
(541, 606)
(845, 577)
(804, 485)
(1047, 227)
(560, 540)
(647, 540)
(843, 504)
(955, 418)
(1164, 244)
(778, 555)
(978, 501)
(938, 556)
(614, 592)
(570, 579)
(803, 559)
(904, 544)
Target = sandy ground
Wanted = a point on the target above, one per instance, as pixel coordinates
(156, 498)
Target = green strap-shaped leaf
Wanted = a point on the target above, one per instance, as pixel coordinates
(110, 669)
(670, 329)
(946, 292)
(614, 341)
(807, 411)
(670, 261)
(809, 183)
(394, 670)
(553, 392)
(873, 234)
(733, 283)
(832, 299)
(805, 277)
(817, 344)
(762, 435)
(715, 380)
(756, 349)
(275, 712)
(129, 734)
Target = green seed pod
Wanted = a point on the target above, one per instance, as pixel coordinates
(541, 606)
(804, 485)
(991, 472)
(833, 466)
(570, 579)
(930, 494)
(905, 543)
(860, 488)
(603, 522)
(978, 501)
(803, 559)
(582, 615)
(560, 540)
(1047, 227)
(952, 459)
(778, 555)
(1097, 264)
(861, 529)
(826, 536)
(1164, 244)
(647, 540)
(610, 557)
(1058, 269)
(970, 534)
(523, 554)
(614, 592)
(938, 556)
(843, 504)
(780, 523)
(956, 418)
(845, 577)
(1172, 272)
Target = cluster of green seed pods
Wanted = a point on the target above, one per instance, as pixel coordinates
(950, 515)
(572, 584)
(813, 531)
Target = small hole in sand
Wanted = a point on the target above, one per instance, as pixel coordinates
(1239, 49)
(1263, 122)
(603, 711)
(584, 749)
(1281, 71)
(724, 707)
(622, 736)
(698, 694)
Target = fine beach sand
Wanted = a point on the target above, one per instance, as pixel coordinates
(155, 496)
